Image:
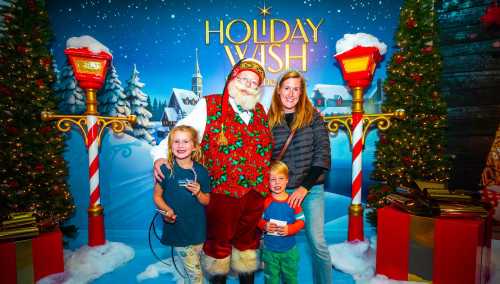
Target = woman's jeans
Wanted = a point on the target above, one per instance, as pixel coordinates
(313, 207)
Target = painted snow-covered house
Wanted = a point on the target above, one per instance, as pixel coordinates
(182, 101)
(169, 117)
(332, 99)
(336, 99)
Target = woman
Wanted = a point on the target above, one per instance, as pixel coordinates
(308, 158)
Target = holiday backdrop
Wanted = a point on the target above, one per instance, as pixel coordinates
(167, 54)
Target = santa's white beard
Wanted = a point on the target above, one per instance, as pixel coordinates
(245, 97)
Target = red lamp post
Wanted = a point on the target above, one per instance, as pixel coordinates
(90, 70)
(358, 65)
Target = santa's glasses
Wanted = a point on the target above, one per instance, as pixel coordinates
(248, 82)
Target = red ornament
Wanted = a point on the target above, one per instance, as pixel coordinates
(13, 184)
(385, 189)
(392, 82)
(427, 50)
(40, 83)
(7, 18)
(492, 15)
(5, 91)
(371, 197)
(11, 130)
(383, 140)
(399, 58)
(411, 23)
(39, 168)
(407, 161)
(45, 129)
(31, 5)
(45, 62)
(416, 77)
(21, 49)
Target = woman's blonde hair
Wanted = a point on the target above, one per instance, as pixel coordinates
(303, 111)
(196, 155)
(278, 167)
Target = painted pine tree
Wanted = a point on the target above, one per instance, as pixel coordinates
(72, 97)
(138, 104)
(112, 98)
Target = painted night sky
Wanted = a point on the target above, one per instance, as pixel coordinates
(161, 36)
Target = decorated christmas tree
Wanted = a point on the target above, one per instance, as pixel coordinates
(33, 171)
(414, 148)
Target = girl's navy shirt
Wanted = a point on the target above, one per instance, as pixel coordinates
(190, 225)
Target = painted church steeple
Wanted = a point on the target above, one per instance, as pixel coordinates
(197, 80)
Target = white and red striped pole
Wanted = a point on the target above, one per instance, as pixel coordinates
(95, 211)
(355, 231)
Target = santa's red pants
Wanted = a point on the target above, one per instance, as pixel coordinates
(232, 222)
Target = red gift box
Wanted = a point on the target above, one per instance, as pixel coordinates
(27, 261)
(441, 250)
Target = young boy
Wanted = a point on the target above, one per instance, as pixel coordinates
(280, 222)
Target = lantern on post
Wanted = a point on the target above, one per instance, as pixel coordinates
(90, 71)
(358, 65)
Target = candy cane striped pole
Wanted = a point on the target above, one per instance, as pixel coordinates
(356, 209)
(95, 211)
(357, 156)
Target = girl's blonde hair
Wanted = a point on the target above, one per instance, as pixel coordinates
(303, 111)
(196, 155)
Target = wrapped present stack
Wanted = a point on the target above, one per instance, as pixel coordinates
(434, 199)
(431, 234)
(26, 255)
(19, 225)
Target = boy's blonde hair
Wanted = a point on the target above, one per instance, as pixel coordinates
(278, 167)
(196, 155)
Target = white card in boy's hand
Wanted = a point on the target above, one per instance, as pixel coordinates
(279, 223)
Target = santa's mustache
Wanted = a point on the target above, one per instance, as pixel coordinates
(241, 87)
(245, 97)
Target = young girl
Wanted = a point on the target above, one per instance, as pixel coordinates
(181, 197)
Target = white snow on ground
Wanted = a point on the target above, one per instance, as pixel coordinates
(89, 263)
(382, 279)
(356, 258)
(154, 270)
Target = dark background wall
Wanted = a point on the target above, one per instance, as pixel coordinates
(470, 85)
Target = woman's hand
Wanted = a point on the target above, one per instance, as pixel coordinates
(297, 197)
(159, 176)
(194, 187)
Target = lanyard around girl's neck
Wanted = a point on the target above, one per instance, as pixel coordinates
(191, 168)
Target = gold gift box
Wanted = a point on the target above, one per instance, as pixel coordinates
(19, 225)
